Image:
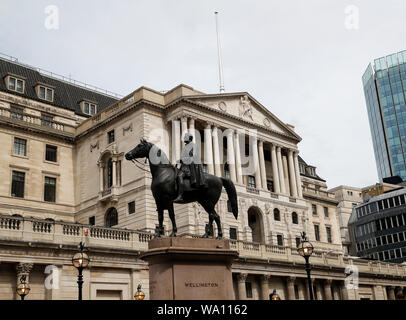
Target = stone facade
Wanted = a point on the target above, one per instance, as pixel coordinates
(105, 201)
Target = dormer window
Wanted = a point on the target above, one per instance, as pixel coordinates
(45, 92)
(15, 84)
(89, 108)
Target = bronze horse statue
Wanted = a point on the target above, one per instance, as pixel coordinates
(164, 189)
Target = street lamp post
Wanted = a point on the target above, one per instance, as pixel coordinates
(23, 287)
(305, 249)
(80, 261)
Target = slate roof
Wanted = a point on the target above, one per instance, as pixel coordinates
(300, 160)
(66, 95)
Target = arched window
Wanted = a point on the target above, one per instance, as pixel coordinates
(294, 218)
(111, 217)
(276, 215)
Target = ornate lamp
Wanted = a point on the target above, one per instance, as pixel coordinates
(274, 296)
(80, 261)
(139, 295)
(305, 249)
(23, 287)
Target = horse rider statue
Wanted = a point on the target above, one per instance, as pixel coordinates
(191, 167)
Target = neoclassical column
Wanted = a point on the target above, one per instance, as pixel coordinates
(176, 140)
(262, 163)
(231, 155)
(238, 157)
(265, 286)
(344, 292)
(241, 278)
(298, 180)
(192, 128)
(307, 293)
(318, 290)
(114, 172)
(101, 176)
(290, 281)
(302, 294)
(292, 175)
(391, 293)
(327, 289)
(208, 148)
(184, 130)
(280, 169)
(256, 165)
(216, 152)
(275, 173)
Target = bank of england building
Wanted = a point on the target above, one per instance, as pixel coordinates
(65, 179)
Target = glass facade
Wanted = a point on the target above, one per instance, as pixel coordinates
(384, 88)
(378, 228)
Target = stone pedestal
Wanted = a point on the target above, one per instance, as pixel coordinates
(190, 269)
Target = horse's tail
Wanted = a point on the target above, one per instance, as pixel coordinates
(232, 195)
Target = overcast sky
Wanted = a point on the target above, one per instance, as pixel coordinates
(298, 58)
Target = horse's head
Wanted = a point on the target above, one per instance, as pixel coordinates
(140, 151)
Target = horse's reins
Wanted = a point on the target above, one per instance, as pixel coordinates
(135, 161)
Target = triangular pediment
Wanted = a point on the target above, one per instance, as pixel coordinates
(245, 107)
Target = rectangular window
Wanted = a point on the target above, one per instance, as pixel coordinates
(17, 185)
(45, 93)
(92, 220)
(251, 182)
(296, 292)
(20, 147)
(51, 153)
(328, 232)
(46, 120)
(131, 207)
(325, 212)
(269, 185)
(110, 136)
(229, 208)
(16, 112)
(15, 84)
(297, 241)
(248, 289)
(378, 241)
(86, 108)
(316, 232)
(279, 238)
(314, 209)
(49, 189)
(401, 237)
(233, 233)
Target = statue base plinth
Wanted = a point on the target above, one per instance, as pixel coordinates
(190, 269)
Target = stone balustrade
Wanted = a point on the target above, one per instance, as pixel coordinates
(30, 119)
(64, 233)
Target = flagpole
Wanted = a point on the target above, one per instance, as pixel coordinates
(219, 56)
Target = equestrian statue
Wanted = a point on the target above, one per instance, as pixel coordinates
(188, 184)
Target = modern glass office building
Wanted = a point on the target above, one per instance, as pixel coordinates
(377, 228)
(384, 87)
